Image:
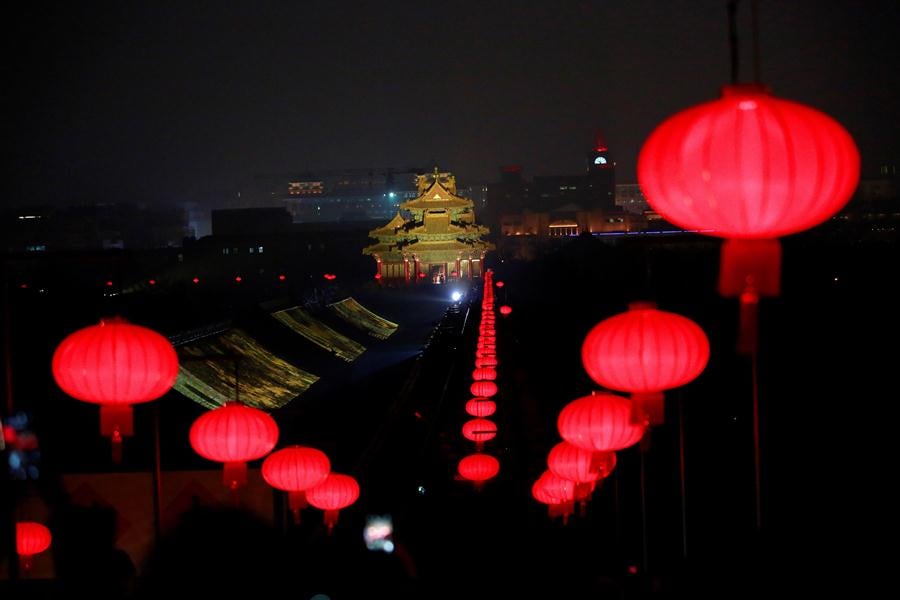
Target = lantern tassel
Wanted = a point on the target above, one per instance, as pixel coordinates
(116, 423)
(25, 562)
(331, 519)
(297, 502)
(749, 270)
(234, 474)
(748, 334)
(648, 407)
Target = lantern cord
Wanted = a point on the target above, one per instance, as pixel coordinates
(733, 41)
(754, 30)
(681, 477)
(757, 466)
(644, 551)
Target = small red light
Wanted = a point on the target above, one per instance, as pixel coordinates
(238, 279)
(9, 434)
(377, 275)
(281, 278)
(152, 282)
(196, 280)
(109, 284)
(632, 569)
(24, 286)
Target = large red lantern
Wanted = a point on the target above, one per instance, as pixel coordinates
(484, 374)
(581, 466)
(479, 431)
(294, 470)
(31, 538)
(233, 434)
(600, 422)
(335, 493)
(481, 407)
(749, 167)
(115, 364)
(483, 388)
(485, 361)
(478, 468)
(645, 351)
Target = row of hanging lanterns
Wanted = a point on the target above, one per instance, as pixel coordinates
(117, 364)
(480, 467)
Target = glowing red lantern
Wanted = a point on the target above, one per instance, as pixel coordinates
(481, 407)
(557, 493)
(335, 493)
(31, 538)
(486, 361)
(645, 351)
(749, 167)
(377, 275)
(294, 470)
(282, 277)
(483, 388)
(479, 431)
(499, 284)
(115, 364)
(238, 279)
(196, 280)
(233, 434)
(581, 466)
(484, 374)
(600, 422)
(478, 468)
(505, 310)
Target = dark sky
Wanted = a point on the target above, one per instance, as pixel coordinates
(174, 101)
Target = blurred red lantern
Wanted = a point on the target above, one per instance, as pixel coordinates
(238, 279)
(233, 434)
(486, 361)
(479, 431)
(282, 277)
(485, 352)
(600, 422)
(483, 388)
(645, 351)
(377, 275)
(422, 275)
(581, 466)
(499, 284)
(481, 407)
(505, 310)
(557, 493)
(335, 493)
(196, 280)
(31, 538)
(478, 468)
(294, 470)
(484, 374)
(115, 364)
(749, 167)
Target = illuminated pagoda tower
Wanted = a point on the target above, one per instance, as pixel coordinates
(437, 241)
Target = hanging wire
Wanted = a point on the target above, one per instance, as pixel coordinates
(733, 41)
(754, 31)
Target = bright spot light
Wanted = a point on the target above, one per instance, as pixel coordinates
(421, 490)
(392, 195)
(456, 296)
(389, 546)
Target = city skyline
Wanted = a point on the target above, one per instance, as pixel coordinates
(189, 103)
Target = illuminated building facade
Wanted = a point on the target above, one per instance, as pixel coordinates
(437, 241)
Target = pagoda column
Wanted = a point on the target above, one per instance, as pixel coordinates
(406, 269)
(458, 272)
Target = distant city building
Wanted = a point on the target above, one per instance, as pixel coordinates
(101, 226)
(630, 198)
(438, 241)
(247, 221)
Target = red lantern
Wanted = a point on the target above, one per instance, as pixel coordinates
(645, 351)
(479, 431)
(581, 466)
(481, 407)
(336, 492)
(31, 538)
(499, 284)
(478, 468)
(505, 310)
(749, 167)
(483, 388)
(484, 374)
(377, 275)
(233, 434)
(485, 361)
(115, 364)
(294, 470)
(600, 422)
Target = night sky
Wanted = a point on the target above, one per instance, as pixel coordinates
(140, 102)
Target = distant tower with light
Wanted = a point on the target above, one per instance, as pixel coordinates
(601, 170)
